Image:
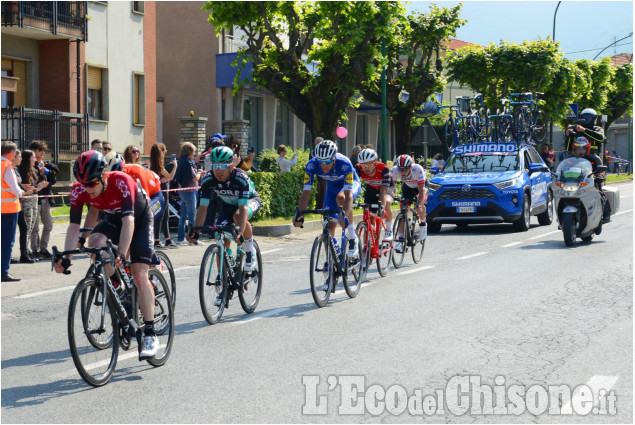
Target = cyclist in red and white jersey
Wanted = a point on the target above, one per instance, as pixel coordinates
(380, 186)
(414, 179)
(128, 223)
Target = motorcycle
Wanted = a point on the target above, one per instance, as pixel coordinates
(578, 200)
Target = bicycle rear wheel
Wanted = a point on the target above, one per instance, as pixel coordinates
(211, 285)
(397, 257)
(94, 348)
(450, 134)
(321, 271)
(364, 250)
(505, 130)
(251, 285)
(539, 128)
(163, 317)
(168, 274)
(385, 252)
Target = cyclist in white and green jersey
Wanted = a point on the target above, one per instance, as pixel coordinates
(240, 199)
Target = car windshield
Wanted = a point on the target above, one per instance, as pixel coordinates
(482, 163)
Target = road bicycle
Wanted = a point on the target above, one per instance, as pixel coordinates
(329, 262)
(475, 117)
(164, 266)
(370, 232)
(219, 280)
(530, 122)
(407, 223)
(101, 319)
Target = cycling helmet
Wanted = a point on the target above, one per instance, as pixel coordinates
(404, 161)
(89, 167)
(367, 155)
(326, 151)
(115, 162)
(588, 117)
(581, 147)
(221, 154)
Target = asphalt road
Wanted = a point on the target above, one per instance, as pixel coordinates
(486, 305)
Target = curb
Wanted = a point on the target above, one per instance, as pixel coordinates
(287, 229)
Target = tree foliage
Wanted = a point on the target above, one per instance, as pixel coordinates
(412, 66)
(340, 39)
(620, 94)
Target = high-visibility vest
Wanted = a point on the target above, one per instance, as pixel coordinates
(10, 202)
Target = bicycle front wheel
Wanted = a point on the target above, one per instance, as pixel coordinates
(352, 276)
(419, 245)
(211, 285)
(539, 129)
(94, 347)
(450, 134)
(384, 252)
(168, 273)
(321, 271)
(364, 250)
(163, 317)
(251, 285)
(399, 227)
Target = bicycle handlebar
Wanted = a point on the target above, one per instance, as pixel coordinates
(57, 254)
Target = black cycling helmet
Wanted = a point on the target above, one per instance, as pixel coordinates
(89, 167)
(588, 118)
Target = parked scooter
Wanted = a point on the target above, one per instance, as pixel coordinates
(577, 199)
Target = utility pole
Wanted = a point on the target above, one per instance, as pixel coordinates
(384, 115)
(553, 38)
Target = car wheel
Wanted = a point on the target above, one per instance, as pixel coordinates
(522, 224)
(434, 227)
(546, 218)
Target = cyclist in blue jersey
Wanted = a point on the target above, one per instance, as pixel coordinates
(342, 187)
(240, 200)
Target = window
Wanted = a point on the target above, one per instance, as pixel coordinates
(284, 125)
(138, 6)
(5, 94)
(361, 130)
(139, 99)
(17, 69)
(95, 97)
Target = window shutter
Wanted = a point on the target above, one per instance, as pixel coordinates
(93, 78)
(19, 71)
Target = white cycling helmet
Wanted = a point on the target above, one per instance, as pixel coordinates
(325, 151)
(404, 161)
(115, 162)
(367, 155)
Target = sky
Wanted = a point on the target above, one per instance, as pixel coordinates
(580, 25)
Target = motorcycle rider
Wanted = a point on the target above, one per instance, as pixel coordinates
(582, 149)
(586, 127)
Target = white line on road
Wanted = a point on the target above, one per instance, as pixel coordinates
(261, 315)
(544, 234)
(472, 255)
(48, 291)
(624, 212)
(596, 383)
(102, 363)
(418, 269)
(511, 244)
(269, 251)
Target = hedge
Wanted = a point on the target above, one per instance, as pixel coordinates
(279, 192)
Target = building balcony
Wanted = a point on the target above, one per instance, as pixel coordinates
(45, 20)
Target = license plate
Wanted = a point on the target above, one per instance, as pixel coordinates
(465, 209)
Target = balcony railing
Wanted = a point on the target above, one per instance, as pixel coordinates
(58, 17)
(63, 132)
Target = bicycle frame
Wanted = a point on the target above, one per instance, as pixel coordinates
(373, 222)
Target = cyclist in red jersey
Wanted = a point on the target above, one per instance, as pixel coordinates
(128, 224)
(380, 187)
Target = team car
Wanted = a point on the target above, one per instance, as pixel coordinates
(490, 183)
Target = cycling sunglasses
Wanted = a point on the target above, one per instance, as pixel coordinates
(404, 170)
(91, 184)
(221, 166)
(106, 149)
(326, 162)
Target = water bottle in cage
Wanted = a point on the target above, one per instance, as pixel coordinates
(338, 250)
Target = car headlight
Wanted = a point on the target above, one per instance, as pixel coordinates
(505, 184)
(434, 186)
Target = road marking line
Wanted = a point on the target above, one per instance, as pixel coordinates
(261, 315)
(269, 251)
(596, 383)
(472, 255)
(627, 196)
(624, 212)
(120, 357)
(48, 291)
(419, 269)
(511, 244)
(544, 234)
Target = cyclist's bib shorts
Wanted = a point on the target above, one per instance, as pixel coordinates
(333, 189)
(142, 243)
(408, 192)
(227, 211)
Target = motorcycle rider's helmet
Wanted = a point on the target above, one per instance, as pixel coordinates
(581, 147)
(588, 118)
(367, 155)
(404, 162)
(115, 163)
(325, 151)
(89, 167)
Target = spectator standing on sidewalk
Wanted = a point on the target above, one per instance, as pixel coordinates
(187, 177)
(354, 153)
(30, 204)
(27, 190)
(132, 155)
(96, 145)
(437, 161)
(46, 171)
(283, 163)
(9, 208)
(157, 161)
(106, 147)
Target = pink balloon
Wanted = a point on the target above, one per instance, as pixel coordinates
(341, 132)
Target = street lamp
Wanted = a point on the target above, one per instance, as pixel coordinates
(615, 42)
(553, 38)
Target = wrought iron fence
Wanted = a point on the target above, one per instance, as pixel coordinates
(58, 16)
(63, 132)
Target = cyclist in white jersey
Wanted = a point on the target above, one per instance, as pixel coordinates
(413, 177)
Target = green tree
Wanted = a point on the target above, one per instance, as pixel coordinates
(620, 94)
(418, 40)
(340, 40)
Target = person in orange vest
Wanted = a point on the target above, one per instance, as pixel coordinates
(10, 208)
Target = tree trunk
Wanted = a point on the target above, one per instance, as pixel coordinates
(402, 120)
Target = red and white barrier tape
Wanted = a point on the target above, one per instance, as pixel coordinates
(61, 195)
